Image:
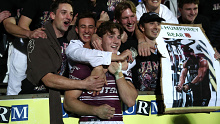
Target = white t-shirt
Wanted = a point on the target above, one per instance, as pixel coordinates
(163, 13)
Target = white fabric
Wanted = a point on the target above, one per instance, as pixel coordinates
(17, 69)
(76, 52)
(164, 13)
(10, 47)
(173, 7)
(102, 122)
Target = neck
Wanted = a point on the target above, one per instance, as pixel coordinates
(57, 32)
(87, 45)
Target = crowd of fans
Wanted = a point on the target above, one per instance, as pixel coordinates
(45, 43)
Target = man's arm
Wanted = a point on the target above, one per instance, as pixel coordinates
(15, 30)
(55, 81)
(144, 47)
(203, 69)
(182, 78)
(24, 22)
(72, 104)
(76, 52)
(126, 89)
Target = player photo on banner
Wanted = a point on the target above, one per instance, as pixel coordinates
(189, 70)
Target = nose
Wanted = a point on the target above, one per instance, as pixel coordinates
(192, 12)
(87, 29)
(116, 40)
(129, 20)
(69, 16)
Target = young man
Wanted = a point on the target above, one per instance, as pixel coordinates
(76, 51)
(156, 6)
(189, 15)
(47, 61)
(125, 14)
(147, 70)
(106, 106)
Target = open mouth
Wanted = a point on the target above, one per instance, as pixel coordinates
(67, 23)
(115, 47)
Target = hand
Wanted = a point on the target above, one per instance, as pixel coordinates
(4, 14)
(74, 19)
(105, 111)
(93, 83)
(104, 16)
(113, 67)
(124, 65)
(96, 42)
(124, 37)
(126, 55)
(100, 72)
(37, 33)
(186, 88)
(145, 47)
(179, 88)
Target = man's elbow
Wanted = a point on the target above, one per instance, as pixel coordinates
(46, 80)
(131, 103)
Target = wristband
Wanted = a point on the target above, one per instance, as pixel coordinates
(118, 74)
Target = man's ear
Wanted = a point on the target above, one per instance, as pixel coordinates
(95, 30)
(77, 30)
(141, 28)
(180, 9)
(52, 15)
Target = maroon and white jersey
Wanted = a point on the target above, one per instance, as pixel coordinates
(108, 95)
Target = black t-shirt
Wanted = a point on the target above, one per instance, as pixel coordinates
(131, 42)
(200, 19)
(146, 73)
(38, 11)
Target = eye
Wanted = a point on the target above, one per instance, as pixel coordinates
(111, 36)
(82, 26)
(91, 26)
(63, 12)
(119, 36)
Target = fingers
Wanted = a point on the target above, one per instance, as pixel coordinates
(96, 42)
(38, 33)
(4, 15)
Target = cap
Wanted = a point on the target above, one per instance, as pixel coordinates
(149, 17)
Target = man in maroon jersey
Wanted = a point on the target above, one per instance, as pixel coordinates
(106, 106)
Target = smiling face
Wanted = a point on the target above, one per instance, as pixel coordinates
(128, 20)
(62, 18)
(86, 28)
(189, 12)
(151, 29)
(111, 42)
(152, 5)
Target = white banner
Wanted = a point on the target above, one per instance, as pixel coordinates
(189, 70)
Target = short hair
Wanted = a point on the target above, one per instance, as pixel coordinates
(85, 15)
(122, 6)
(182, 2)
(108, 26)
(54, 6)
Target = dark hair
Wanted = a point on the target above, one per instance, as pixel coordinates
(85, 15)
(182, 2)
(108, 26)
(122, 6)
(54, 6)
